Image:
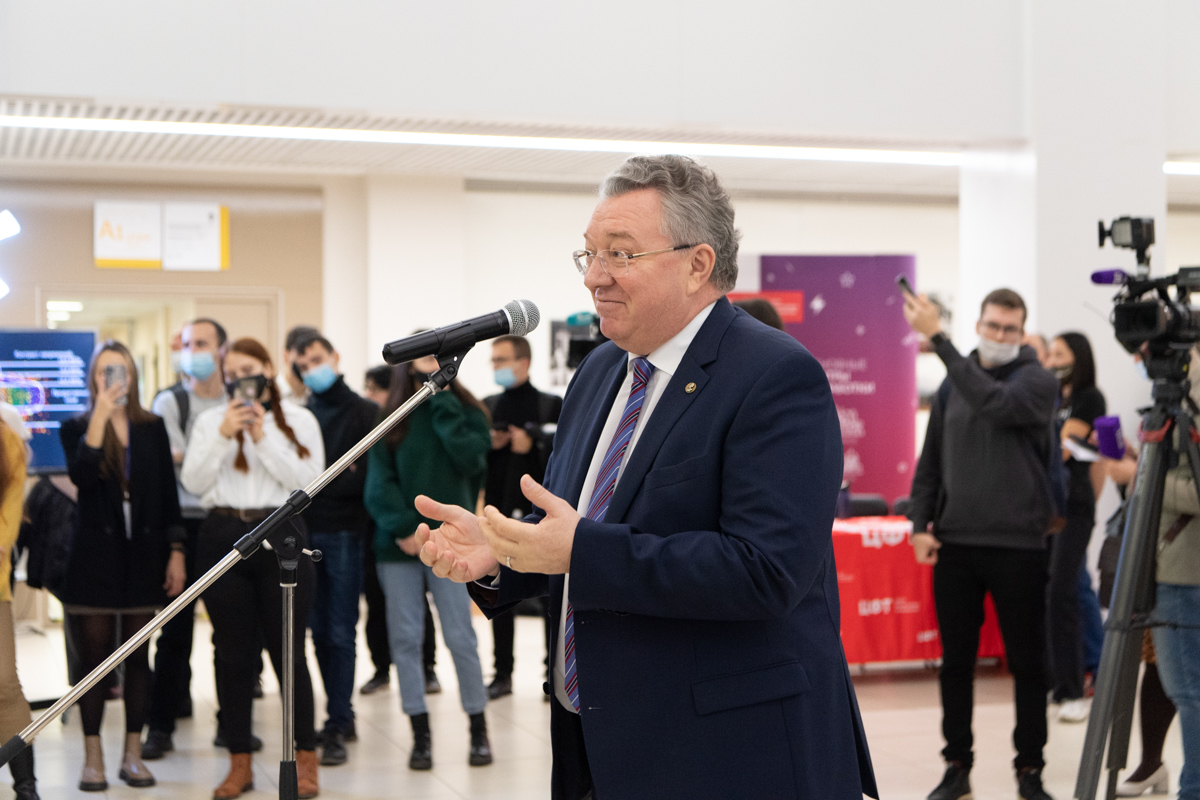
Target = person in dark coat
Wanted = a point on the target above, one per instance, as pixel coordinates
(127, 552)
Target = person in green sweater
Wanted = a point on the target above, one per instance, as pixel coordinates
(440, 450)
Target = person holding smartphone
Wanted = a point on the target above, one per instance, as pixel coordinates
(242, 461)
(127, 553)
(1080, 402)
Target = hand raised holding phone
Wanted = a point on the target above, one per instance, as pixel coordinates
(238, 417)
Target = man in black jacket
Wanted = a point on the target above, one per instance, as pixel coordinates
(337, 521)
(981, 506)
(521, 445)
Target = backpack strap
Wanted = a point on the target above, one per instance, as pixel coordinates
(184, 403)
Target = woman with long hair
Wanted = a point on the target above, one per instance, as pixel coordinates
(1079, 404)
(14, 709)
(440, 450)
(127, 555)
(243, 461)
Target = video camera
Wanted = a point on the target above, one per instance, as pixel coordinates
(1145, 315)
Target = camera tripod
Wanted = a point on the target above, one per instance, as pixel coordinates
(1133, 599)
(288, 551)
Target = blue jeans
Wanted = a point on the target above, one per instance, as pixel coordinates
(1178, 652)
(334, 619)
(1090, 623)
(403, 585)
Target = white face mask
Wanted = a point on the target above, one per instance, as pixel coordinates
(996, 354)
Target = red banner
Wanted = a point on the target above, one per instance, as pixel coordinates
(887, 597)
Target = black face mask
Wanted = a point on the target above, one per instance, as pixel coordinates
(248, 389)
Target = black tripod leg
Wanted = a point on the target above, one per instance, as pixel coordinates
(1120, 660)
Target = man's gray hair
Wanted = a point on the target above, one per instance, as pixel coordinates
(695, 207)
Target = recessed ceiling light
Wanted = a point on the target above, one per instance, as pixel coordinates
(64, 305)
(912, 157)
(8, 225)
(3, 288)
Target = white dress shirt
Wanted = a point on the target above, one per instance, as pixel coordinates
(666, 363)
(275, 467)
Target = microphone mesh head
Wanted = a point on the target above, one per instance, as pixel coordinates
(524, 315)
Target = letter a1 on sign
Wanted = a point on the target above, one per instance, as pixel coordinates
(127, 235)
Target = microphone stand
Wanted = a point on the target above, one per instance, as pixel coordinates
(453, 349)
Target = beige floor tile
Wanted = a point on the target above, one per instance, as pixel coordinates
(900, 710)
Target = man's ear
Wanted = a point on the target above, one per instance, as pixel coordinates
(700, 266)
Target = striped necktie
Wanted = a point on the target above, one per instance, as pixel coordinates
(606, 484)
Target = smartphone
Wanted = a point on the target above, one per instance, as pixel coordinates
(500, 426)
(117, 375)
(246, 391)
(905, 286)
(1084, 443)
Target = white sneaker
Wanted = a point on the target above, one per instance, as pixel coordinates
(1158, 783)
(1073, 711)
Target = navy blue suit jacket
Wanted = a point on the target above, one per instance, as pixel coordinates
(706, 609)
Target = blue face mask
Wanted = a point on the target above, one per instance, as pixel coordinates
(320, 379)
(1140, 367)
(505, 377)
(200, 366)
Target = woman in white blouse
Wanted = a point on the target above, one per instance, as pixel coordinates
(242, 462)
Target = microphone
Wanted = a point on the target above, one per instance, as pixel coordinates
(517, 318)
(1105, 276)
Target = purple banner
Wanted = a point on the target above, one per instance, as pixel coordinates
(853, 323)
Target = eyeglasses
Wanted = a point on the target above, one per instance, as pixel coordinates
(616, 262)
(1005, 331)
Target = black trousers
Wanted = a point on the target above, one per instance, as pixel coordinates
(504, 630)
(246, 609)
(172, 682)
(1016, 580)
(570, 775)
(1068, 550)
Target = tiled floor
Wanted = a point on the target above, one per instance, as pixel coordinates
(900, 710)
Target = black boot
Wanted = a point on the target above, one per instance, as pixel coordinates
(481, 748)
(21, 767)
(422, 752)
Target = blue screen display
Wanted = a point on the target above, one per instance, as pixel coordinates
(43, 373)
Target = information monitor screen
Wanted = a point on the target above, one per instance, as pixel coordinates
(43, 374)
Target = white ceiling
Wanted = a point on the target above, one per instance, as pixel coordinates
(29, 153)
(25, 148)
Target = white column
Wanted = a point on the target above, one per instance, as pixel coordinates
(416, 257)
(1099, 125)
(344, 276)
(1096, 125)
(997, 224)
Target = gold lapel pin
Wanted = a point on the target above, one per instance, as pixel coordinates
(691, 387)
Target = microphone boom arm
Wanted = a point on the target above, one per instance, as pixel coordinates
(456, 344)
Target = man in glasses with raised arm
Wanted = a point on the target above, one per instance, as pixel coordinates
(683, 535)
(981, 507)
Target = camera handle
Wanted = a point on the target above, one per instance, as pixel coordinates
(1133, 595)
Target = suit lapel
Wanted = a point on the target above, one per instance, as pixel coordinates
(674, 400)
(597, 415)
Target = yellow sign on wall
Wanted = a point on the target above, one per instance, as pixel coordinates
(169, 236)
(127, 235)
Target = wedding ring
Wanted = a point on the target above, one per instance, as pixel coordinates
(508, 561)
